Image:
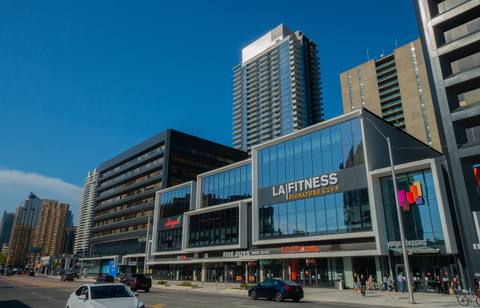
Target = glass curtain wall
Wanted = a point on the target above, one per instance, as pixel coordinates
(227, 186)
(172, 205)
(422, 221)
(214, 228)
(330, 149)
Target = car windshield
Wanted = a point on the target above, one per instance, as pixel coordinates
(99, 292)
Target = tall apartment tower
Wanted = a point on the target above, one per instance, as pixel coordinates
(276, 88)
(396, 88)
(87, 200)
(49, 234)
(25, 221)
(5, 227)
(451, 40)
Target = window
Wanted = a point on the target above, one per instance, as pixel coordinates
(330, 214)
(227, 186)
(422, 221)
(214, 228)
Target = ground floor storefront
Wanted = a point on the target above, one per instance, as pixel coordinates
(312, 272)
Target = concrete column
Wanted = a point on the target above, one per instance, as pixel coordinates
(194, 274)
(246, 272)
(177, 274)
(378, 268)
(348, 272)
(204, 272)
(262, 271)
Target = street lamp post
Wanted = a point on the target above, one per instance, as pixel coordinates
(408, 274)
(147, 242)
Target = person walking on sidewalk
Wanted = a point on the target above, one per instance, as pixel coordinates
(401, 282)
(385, 282)
(391, 286)
(363, 282)
(438, 284)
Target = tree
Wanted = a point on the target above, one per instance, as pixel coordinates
(3, 259)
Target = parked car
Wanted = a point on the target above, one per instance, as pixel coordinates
(67, 276)
(107, 295)
(139, 282)
(104, 278)
(279, 289)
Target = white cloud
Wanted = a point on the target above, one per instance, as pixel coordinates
(15, 186)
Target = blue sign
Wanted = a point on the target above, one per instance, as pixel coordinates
(112, 268)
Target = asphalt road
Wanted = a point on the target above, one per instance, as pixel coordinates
(43, 292)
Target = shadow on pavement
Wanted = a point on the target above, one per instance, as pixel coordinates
(13, 304)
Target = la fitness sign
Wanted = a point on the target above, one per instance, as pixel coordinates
(310, 187)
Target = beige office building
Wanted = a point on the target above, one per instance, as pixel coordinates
(395, 87)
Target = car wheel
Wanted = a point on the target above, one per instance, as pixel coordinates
(253, 295)
(279, 297)
(296, 299)
(147, 290)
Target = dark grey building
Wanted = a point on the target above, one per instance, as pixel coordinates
(6, 227)
(451, 40)
(126, 190)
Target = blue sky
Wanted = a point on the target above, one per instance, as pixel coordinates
(82, 81)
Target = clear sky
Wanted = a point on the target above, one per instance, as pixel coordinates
(81, 81)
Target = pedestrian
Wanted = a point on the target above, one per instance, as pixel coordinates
(385, 282)
(355, 290)
(438, 284)
(363, 282)
(400, 282)
(455, 284)
(371, 283)
(391, 286)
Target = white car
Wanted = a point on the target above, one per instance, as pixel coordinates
(104, 295)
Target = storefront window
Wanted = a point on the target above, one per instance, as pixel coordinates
(330, 149)
(227, 186)
(329, 214)
(422, 218)
(214, 228)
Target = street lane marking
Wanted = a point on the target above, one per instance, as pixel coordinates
(155, 306)
(197, 300)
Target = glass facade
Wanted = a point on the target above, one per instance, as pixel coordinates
(214, 228)
(329, 214)
(286, 88)
(330, 149)
(230, 185)
(422, 221)
(175, 202)
(172, 205)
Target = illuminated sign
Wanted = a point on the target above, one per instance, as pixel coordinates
(411, 244)
(173, 222)
(311, 187)
(299, 249)
(413, 196)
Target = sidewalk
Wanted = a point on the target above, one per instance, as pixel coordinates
(377, 298)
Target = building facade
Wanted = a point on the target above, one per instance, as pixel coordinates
(6, 227)
(276, 88)
(126, 191)
(395, 87)
(26, 220)
(87, 201)
(49, 235)
(451, 43)
(314, 206)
